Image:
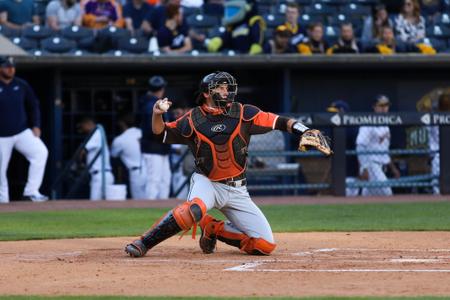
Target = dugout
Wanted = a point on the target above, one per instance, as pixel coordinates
(104, 86)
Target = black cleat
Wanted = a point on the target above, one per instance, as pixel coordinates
(136, 249)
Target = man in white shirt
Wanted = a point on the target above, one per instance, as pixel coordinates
(101, 167)
(128, 148)
(375, 138)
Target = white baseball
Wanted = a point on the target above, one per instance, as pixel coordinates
(164, 105)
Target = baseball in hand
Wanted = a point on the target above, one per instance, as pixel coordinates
(164, 105)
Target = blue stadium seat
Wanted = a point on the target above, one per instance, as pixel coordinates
(320, 9)
(133, 45)
(188, 11)
(438, 44)
(331, 34)
(354, 9)
(37, 32)
(273, 20)
(202, 21)
(443, 19)
(304, 2)
(79, 52)
(8, 32)
(58, 45)
(216, 31)
(77, 33)
(25, 44)
(213, 9)
(306, 19)
(114, 32)
(366, 2)
(438, 31)
(333, 2)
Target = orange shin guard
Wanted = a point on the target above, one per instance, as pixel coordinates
(257, 246)
(189, 213)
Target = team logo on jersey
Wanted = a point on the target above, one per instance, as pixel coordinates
(218, 128)
(16, 88)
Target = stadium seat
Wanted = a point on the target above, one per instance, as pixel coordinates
(304, 2)
(58, 45)
(331, 34)
(213, 9)
(9, 32)
(79, 52)
(443, 19)
(25, 44)
(37, 32)
(273, 21)
(354, 9)
(320, 9)
(438, 44)
(334, 2)
(188, 11)
(438, 31)
(200, 21)
(77, 33)
(306, 19)
(366, 2)
(114, 32)
(216, 31)
(133, 45)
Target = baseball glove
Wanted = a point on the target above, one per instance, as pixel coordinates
(313, 138)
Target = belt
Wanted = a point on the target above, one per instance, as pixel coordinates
(237, 181)
(97, 171)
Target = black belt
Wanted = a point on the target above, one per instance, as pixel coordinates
(97, 171)
(237, 181)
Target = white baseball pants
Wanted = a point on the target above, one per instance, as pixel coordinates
(376, 173)
(34, 151)
(235, 203)
(158, 176)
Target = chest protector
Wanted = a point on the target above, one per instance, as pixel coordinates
(221, 152)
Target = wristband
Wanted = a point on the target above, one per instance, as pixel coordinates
(299, 128)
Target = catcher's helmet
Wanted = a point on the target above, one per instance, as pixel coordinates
(214, 80)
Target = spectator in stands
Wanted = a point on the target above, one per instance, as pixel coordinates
(373, 25)
(173, 37)
(280, 43)
(375, 138)
(156, 155)
(127, 147)
(409, 24)
(347, 42)
(101, 164)
(20, 129)
(244, 29)
(192, 3)
(135, 13)
(62, 13)
(433, 141)
(314, 43)
(98, 14)
(17, 14)
(292, 14)
(389, 45)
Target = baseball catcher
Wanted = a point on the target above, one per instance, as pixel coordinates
(218, 132)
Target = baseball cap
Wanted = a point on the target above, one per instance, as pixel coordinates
(7, 61)
(382, 100)
(156, 83)
(282, 30)
(337, 106)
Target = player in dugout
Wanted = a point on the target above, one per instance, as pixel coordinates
(218, 132)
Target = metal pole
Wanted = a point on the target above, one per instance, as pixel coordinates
(56, 132)
(338, 165)
(444, 164)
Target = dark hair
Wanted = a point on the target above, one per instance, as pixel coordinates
(313, 25)
(376, 31)
(127, 119)
(87, 119)
(293, 5)
(416, 11)
(347, 24)
(444, 102)
(172, 10)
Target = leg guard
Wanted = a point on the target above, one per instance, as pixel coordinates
(213, 229)
(180, 218)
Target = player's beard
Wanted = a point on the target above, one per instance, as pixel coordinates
(5, 75)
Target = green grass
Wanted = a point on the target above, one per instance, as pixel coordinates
(283, 218)
(208, 298)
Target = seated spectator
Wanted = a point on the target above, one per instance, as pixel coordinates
(192, 3)
(314, 43)
(373, 24)
(172, 37)
(63, 13)
(409, 24)
(280, 43)
(292, 14)
(346, 42)
(98, 14)
(135, 13)
(17, 14)
(244, 29)
(389, 45)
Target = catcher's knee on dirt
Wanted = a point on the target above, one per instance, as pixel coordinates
(257, 246)
(182, 217)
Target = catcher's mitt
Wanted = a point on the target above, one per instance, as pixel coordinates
(313, 138)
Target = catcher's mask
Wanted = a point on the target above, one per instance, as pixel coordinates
(210, 84)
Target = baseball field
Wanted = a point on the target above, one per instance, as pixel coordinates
(327, 248)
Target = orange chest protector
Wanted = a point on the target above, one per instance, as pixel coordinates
(221, 152)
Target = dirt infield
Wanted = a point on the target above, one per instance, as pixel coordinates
(304, 264)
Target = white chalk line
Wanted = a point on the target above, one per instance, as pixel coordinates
(322, 250)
